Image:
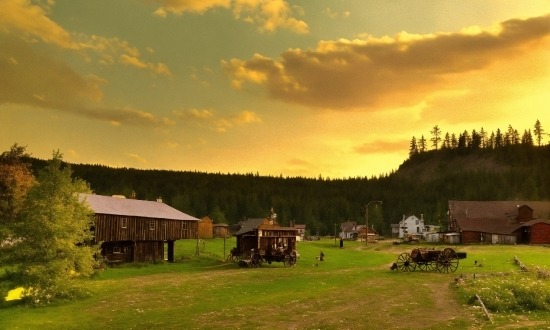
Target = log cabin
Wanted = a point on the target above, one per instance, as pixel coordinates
(132, 230)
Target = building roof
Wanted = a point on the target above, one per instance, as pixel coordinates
(496, 209)
(300, 226)
(487, 225)
(495, 226)
(249, 225)
(133, 207)
(350, 227)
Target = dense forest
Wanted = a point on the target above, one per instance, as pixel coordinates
(423, 184)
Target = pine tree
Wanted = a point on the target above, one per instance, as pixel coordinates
(422, 144)
(539, 132)
(413, 148)
(436, 136)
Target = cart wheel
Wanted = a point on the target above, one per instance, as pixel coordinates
(447, 261)
(427, 266)
(405, 263)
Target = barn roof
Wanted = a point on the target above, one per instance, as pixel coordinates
(133, 207)
(497, 209)
(487, 225)
(495, 226)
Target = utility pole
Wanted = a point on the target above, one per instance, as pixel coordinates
(367, 220)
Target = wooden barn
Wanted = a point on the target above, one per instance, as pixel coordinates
(500, 222)
(137, 230)
(263, 235)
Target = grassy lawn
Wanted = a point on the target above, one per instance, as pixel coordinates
(353, 288)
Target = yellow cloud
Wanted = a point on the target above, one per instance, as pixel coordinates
(30, 19)
(179, 7)
(267, 15)
(219, 123)
(389, 71)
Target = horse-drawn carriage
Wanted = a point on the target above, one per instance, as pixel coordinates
(256, 258)
(425, 259)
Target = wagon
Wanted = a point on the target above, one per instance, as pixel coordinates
(288, 258)
(257, 258)
(444, 261)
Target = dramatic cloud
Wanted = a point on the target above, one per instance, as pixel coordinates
(267, 15)
(31, 21)
(33, 78)
(22, 16)
(389, 71)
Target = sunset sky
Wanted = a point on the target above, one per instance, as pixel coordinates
(294, 88)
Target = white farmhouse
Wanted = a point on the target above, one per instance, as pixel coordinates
(411, 226)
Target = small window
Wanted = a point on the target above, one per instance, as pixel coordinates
(184, 225)
(117, 249)
(151, 225)
(417, 222)
(124, 223)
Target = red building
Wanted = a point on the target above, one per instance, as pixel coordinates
(500, 222)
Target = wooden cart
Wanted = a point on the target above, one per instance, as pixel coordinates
(445, 261)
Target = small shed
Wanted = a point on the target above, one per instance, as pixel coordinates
(137, 230)
(221, 230)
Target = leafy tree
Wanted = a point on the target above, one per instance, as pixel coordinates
(49, 250)
(16, 179)
(539, 132)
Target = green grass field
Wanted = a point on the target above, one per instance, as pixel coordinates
(353, 288)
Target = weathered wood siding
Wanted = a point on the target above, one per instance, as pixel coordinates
(469, 237)
(112, 228)
(540, 233)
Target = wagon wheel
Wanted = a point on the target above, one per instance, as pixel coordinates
(290, 260)
(405, 263)
(427, 266)
(447, 261)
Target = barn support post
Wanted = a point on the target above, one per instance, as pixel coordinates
(170, 251)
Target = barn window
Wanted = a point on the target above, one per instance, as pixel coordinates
(184, 225)
(124, 222)
(151, 225)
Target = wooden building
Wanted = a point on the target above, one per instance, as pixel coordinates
(264, 234)
(221, 230)
(206, 228)
(500, 222)
(136, 230)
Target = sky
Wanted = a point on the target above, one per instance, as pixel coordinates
(331, 88)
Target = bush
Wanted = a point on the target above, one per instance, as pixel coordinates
(517, 292)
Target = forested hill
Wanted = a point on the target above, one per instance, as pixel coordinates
(422, 185)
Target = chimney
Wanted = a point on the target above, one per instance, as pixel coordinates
(159, 199)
